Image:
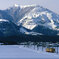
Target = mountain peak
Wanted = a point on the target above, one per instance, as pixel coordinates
(24, 6)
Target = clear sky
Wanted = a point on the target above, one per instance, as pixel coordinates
(50, 4)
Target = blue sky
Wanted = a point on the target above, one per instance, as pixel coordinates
(50, 4)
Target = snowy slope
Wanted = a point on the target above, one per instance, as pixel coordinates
(20, 52)
(18, 12)
(40, 16)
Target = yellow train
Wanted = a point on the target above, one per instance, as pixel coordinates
(52, 50)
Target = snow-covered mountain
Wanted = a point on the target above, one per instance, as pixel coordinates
(40, 16)
(33, 19)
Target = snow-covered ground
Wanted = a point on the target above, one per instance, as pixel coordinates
(19, 51)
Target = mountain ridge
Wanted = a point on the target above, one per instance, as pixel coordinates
(29, 17)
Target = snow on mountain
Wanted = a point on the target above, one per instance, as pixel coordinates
(34, 18)
(40, 16)
(17, 12)
(25, 6)
(24, 31)
(1, 20)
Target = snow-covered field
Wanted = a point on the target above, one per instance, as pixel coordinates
(19, 51)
